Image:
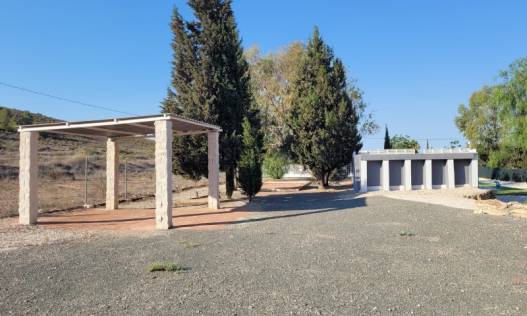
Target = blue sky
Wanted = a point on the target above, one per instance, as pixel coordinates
(416, 61)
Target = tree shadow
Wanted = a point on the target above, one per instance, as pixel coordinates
(281, 206)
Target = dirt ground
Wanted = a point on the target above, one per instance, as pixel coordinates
(446, 197)
(190, 213)
(301, 253)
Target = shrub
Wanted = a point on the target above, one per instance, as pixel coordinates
(275, 165)
(250, 164)
(165, 266)
(504, 176)
(517, 177)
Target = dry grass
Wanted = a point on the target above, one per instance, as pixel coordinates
(61, 172)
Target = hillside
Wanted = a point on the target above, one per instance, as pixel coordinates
(62, 160)
(11, 118)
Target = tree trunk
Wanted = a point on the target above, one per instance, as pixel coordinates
(323, 181)
(229, 181)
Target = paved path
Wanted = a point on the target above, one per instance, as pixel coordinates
(315, 253)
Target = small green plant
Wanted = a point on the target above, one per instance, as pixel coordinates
(165, 266)
(406, 234)
(189, 244)
(250, 164)
(505, 176)
(275, 165)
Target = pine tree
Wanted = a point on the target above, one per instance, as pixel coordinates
(210, 82)
(322, 119)
(250, 164)
(387, 141)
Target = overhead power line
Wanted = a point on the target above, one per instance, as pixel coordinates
(64, 99)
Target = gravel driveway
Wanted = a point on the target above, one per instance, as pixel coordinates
(323, 253)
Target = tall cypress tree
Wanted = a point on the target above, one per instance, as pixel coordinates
(210, 82)
(322, 119)
(387, 141)
(250, 165)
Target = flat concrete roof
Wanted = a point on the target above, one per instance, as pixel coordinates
(435, 155)
(137, 126)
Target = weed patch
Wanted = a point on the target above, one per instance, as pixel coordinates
(165, 266)
(406, 233)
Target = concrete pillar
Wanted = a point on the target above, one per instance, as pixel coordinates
(428, 174)
(364, 176)
(214, 170)
(385, 175)
(28, 179)
(450, 174)
(408, 175)
(163, 153)
(474, 176)
(112, 174)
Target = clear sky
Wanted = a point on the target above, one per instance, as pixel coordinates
(416, 61)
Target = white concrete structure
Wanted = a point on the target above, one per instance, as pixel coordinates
(407, 175)
(162, 127)
(407, 170)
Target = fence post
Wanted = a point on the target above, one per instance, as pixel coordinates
(126, 180)
(86, 181)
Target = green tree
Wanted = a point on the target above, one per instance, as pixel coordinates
(387, 141)
(322, 119)
(403, 142)
(250, 164)
(275, 164)
(210, 82)
(481, 122)
(271, 77)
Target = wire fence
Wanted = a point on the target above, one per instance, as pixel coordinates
(75, 177)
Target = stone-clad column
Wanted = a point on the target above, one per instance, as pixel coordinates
(163, 154)
(408, 175)
(214, 170)
(364, 176)
(112, 174)
(450, 174)
(474, 176)
(428, 174)
(385, 175)
(28, 179)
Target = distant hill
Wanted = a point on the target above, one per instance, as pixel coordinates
(11, 118)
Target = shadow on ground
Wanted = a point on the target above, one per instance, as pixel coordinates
(278, 206)
(262, 208)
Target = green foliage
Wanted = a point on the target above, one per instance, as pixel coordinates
(403, 142)
(322, 119)
(404, 233)
(387, 140)
(495, 121)
(275, 165)
(271, 77)
(210, 82)
(455, 144)
(250, 164)
(165, 266)
(11, 118)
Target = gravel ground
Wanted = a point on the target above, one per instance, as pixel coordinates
(322, 253)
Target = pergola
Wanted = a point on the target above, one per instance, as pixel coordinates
(162, 127)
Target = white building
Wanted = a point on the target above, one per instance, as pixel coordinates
(404, 169)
